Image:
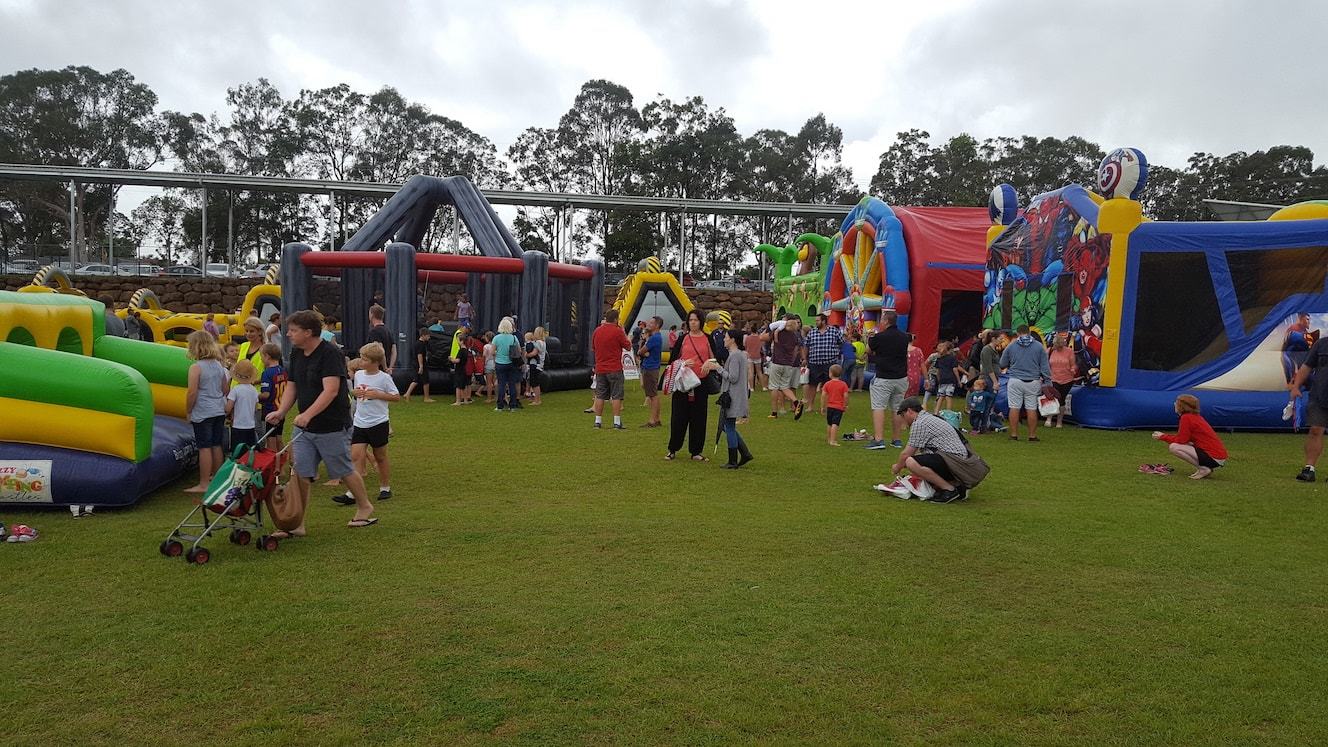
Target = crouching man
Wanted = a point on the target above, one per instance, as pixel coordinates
(938, 454)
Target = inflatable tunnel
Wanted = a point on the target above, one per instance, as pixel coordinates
(88, 419)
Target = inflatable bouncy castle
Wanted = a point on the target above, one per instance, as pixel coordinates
(1221, 310)
(925, 263)
(85, 418)
(799, 274)
(650, 292)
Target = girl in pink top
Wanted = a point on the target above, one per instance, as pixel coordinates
(1064, 371)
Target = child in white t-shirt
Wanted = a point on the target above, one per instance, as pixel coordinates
(242, 404)
(374, 388)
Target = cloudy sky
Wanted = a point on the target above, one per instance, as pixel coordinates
(1169, 77)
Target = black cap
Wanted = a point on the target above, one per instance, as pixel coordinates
(911, 403)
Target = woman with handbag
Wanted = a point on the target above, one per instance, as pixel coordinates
(732, 399)
(687, 416)
(1064, 370)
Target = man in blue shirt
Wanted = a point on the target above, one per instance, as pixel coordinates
(650, 353)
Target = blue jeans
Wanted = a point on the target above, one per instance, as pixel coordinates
(848, 365)
(508, 376)
(731, 433)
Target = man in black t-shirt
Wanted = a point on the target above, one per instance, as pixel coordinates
(889, 353)
(317, 382)
(1316, 410)
(379, 333)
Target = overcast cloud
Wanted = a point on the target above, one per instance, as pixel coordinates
(1170, 78)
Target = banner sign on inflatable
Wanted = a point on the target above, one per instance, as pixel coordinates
(25, 482)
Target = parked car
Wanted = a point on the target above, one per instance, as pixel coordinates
(218, 270)
(131, 269)
(95, 269)
(181, 271)
(22, 266)
(254, 272)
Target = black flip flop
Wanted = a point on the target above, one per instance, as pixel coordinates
(361, 523)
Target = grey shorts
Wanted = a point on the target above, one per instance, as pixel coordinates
(783, 377)
(609, 385)
(1315, 415)
(1023, 395)
(888, 394)
(650, 381)
(332, 449)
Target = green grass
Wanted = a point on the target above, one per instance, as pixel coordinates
(538, 582)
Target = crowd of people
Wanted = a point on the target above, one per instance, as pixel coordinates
(343, 421)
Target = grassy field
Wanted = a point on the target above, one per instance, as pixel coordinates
(536, 581)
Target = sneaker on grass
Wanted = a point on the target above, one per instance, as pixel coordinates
(1306, 474)
(874, 445)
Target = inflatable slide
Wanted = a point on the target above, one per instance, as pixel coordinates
(85, 418)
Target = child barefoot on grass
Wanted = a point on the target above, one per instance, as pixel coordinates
(206, 403)
(1195, 441)
(836, 402)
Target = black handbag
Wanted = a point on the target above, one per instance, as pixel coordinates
(724, 400)
(711, 383)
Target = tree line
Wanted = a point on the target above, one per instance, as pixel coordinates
(605, 143)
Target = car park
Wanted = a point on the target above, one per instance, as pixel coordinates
(218, 270)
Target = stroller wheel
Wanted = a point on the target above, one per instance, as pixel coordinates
(172, 549)
(240, 537)
(199, 555)
(268, 543)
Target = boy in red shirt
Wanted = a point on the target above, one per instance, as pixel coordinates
(1195, 441)
(835, 392)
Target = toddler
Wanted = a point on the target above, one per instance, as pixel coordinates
(242, 404)
(835, 392)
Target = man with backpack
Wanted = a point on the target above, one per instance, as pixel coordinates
(938, 453)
